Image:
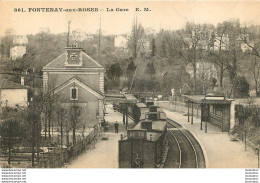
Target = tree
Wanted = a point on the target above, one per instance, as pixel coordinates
(190, 50)
(11, 130)
(33, 126)
(74, 116)
(63, 122)
(131, 69)
(48, 101)
(220, 45)
(6, 45)
(225, 52)
(241, 87)
(256, 74)
(163, 52)
(246, 36)
(153, 48)
(149, 70)
(136, 36)
(114, 72)
(232, 62)
(149, 80)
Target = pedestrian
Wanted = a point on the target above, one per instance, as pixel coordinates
(116, 127)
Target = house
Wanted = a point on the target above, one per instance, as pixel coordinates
(120, 41)
(78, 80)
(20, 40)
(17, 52)
(203, 69)
(246, 48)
(45, 30)
(207, 70)
(221, 42)
(13, 94)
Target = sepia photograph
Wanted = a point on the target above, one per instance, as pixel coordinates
(135, 84)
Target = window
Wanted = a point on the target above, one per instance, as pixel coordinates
(74, 93)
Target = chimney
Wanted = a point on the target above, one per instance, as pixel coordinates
(22, 81)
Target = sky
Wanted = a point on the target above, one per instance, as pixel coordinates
(166, 15)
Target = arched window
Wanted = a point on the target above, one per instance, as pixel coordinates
(73, 93)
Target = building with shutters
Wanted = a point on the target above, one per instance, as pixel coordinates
(78, 80)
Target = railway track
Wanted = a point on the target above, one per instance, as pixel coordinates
(188, 153)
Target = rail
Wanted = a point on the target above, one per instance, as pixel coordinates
(194, 150)
(179, 147)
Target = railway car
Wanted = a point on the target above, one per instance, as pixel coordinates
(137, 111)
(144, 145)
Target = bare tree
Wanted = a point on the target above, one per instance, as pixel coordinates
(216, 53)
(33, 126)
(49, 99)
(136, 36)
(256, 72)
(191, 49)
(74, 115)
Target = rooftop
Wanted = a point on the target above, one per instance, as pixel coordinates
(5, 84)
(59, 62)
(210, 99)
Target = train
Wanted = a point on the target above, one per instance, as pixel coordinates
(136, 110)
(144, 145)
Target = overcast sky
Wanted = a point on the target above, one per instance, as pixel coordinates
(166, 15)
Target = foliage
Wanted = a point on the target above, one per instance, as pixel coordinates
(135, 39)
(241, 87)
(153, 48)
(114, 71)
(149, 70)
(75, 112)
(12, 131)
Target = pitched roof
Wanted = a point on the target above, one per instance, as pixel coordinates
(59, 62)
(81, 83)
(5, 84)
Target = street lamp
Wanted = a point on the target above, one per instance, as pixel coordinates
(245, 138)
(206, 119)
(197, 111)
(257, 152)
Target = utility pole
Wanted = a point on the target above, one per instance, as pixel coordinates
(68, 35)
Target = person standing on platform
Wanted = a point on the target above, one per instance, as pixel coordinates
(116, 127)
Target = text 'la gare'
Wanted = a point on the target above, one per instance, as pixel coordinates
(118, 9)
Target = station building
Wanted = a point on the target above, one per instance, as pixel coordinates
(78, 80)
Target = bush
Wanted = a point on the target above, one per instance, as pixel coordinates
(241, 87)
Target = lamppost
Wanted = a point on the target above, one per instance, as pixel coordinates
(257, 152)
(201, 117)
(245, 138)
(206, 119)
(197, 111)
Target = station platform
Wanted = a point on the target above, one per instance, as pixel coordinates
(105, 152)
(219, 150)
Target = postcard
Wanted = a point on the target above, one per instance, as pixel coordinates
(136, 84)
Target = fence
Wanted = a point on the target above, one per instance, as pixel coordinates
(57, 157)
(179, 107)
